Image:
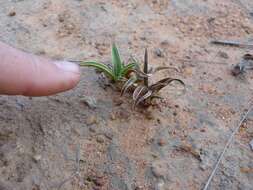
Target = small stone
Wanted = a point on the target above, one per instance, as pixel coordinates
(223, 54)
(100, 139)
(99, 182)
(161, 142)
(154, 155)
(209, 20)
(143, 38)
(12, 13)
(91, 120)
(138, 188)
(61, 18)
(251, 144)
(158, 120)
(165, 43)
(37, 158)
(92, 129)
(108, 135)
(112, 116)
(202, 130)
(91, 102)
(158, 52)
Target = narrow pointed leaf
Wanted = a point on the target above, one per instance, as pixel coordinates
(128, 84)
(142, 98)
(101, 67)
(145, 69)
(163, 83)
(138, 91)
(116, 61)
(157, 97)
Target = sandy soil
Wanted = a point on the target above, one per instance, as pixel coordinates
(173, 146)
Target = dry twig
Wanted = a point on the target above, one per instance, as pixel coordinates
(226, 147)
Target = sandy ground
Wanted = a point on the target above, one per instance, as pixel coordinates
(172, 147)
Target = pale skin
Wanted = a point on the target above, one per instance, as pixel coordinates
(26, 74)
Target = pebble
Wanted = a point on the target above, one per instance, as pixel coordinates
(98, 182)
(108, 135)
(165, 42)
(143, 38)
(93, 129)
(158, 52)
(91, 120)
(223, 54)
(251, 144)
(175, 113)
(37, 158)
(12, 13)
(91, 102)
(112, 116)
(100, 139)
(161, 142)
(61, 18)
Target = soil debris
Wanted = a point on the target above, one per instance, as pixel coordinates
(91, 102)
(92, 120)
(245, 64)
(12, 13)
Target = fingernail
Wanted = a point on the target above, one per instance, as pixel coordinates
(67, 66)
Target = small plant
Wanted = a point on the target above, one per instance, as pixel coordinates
(130, 76)
(143, 90)
(116, 72)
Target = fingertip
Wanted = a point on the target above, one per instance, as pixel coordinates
(68, 66)
(26, 74)
(59, 76)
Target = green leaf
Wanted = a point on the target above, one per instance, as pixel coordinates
(116, 61)
(101, 67)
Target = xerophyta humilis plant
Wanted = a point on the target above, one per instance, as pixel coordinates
(129, 77)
